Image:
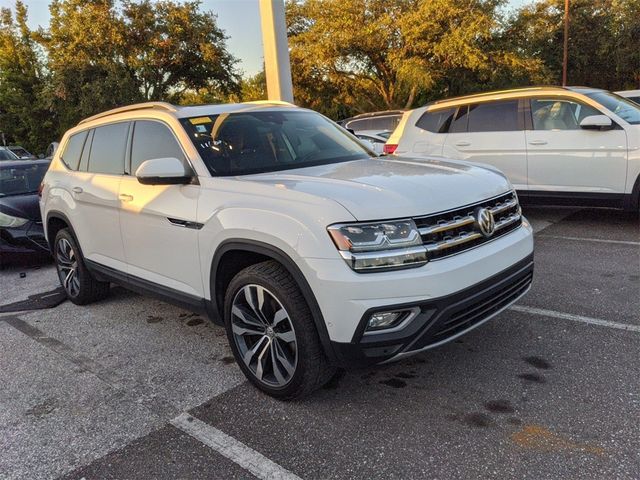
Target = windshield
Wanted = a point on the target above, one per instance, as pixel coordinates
(384, 135)
(7, 155)
(21, 179)
(253, 142)
(623, 107)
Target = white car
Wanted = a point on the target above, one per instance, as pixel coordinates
(576, 146)
(631, 95)
(281, 226)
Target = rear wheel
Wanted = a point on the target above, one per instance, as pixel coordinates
(78, 283)
(272, 333)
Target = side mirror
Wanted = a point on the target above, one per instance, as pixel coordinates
(596, 122)
(163, 171)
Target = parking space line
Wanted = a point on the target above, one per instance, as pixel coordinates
(587, 239)
(575, 318)
(234, 450)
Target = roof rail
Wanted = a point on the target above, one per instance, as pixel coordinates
(494, 92)
(269, 102)
(129, 108)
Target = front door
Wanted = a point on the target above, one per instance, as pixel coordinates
(563, 157)
(158, 225)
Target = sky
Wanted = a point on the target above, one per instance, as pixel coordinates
(240, 19)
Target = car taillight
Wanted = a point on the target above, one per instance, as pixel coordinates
(389, 148)
(40, 188)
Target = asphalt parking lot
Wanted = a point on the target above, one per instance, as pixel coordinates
(134, 388)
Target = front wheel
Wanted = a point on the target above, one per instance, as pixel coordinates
(272, 333)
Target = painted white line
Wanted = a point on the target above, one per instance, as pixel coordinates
(586, 239)
(236, 451)
(575, 318)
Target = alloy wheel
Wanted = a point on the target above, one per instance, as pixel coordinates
(264, 335)
(67, 267)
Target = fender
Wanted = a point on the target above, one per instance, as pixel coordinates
(281, 257)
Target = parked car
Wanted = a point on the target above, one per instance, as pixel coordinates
(575, 146)
(21, 230)
(374, 139)
(631, 95)
(278, 224)
(21, 152)
(6, 154)
(373, 122)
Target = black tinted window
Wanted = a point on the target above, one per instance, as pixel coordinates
(436, 122)
(460, 122)
(152, 140)
(73, 150)
(107, 149)
(253, 142)
(494, 117)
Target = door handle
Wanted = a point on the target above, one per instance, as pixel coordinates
(463, 144)
(77, 190)
(537, 142)
(125, 197)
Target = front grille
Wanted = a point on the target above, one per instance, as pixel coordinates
(466, 314)
(455, 231)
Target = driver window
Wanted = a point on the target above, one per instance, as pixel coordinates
(557, 114)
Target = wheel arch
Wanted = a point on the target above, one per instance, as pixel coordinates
(55, 222)
(252, 252)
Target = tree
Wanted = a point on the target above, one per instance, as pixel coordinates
(381, 54)
(23, 119)
(604, 39)
(173, 48)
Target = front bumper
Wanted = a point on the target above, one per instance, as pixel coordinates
(440, 320)
(24, 240)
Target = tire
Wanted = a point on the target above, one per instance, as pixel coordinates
(78, 283)
(269, 323)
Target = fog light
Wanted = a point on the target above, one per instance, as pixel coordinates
(382, 320)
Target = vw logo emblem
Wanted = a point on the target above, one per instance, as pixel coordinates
(485, 222)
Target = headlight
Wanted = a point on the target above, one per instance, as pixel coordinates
(8, 221)
(380, 245)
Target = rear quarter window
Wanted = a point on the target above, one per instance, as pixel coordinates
(436, 121)
(73, 150)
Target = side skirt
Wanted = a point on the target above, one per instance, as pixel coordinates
(573, 199)
(152, 289)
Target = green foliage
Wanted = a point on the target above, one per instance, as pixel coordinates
(604, 40)
(95, 56)
(381, 54)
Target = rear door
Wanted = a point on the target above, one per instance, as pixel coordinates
(158, 225)
(566, 158)
(491, 133)
(94, 189)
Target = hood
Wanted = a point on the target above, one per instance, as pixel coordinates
(375, 189)
(23, 206)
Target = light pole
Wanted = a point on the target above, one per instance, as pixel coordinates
(565, 53)
(276, 50)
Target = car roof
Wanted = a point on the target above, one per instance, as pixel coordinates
(25, 161)
(383, 113)
(194, 110)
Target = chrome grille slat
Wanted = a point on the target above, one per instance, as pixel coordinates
(455, 231)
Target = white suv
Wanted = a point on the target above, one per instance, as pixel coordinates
(570, 146)
(284, 228)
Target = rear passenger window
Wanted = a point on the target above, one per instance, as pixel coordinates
(153, 140)
(436, 121)
(73, 150)
(459, 124)
(494, 117)
(107, 149)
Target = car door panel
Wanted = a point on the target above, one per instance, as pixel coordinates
(158, 222)
(564, 157)
(491, 139)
